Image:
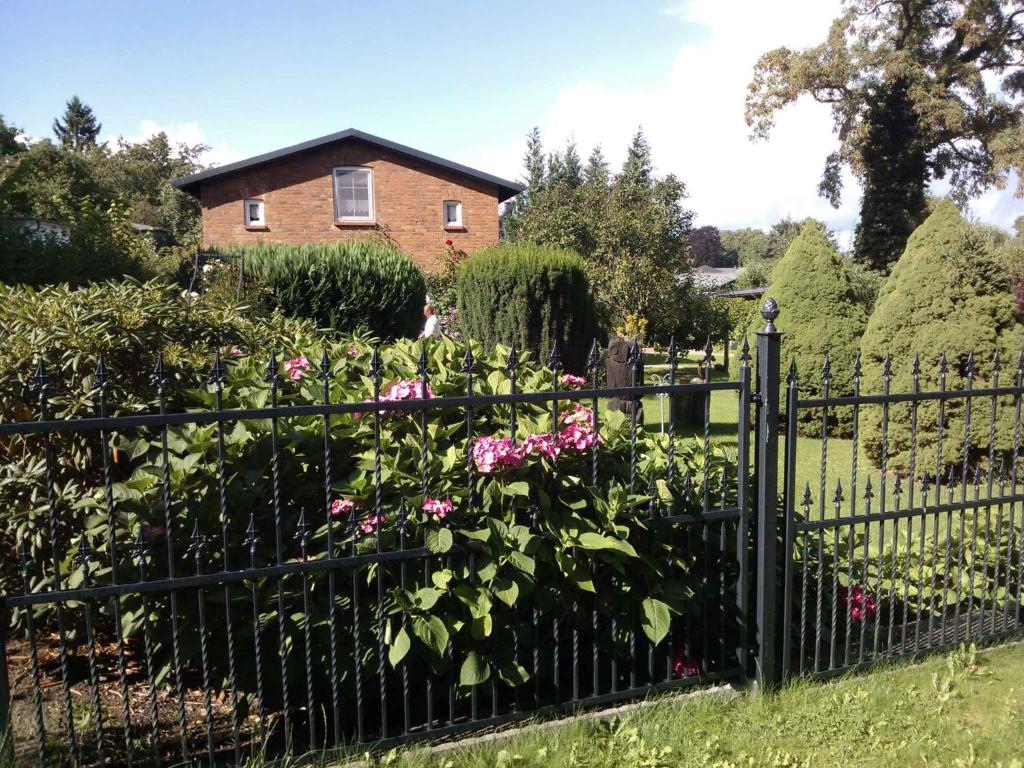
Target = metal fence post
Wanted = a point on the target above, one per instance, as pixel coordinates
(767, 616)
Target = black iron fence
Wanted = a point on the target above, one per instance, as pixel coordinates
(272, 571)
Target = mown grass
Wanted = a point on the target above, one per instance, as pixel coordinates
(724, 419)
(963, 709)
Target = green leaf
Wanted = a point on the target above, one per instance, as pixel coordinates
(432, 633)
(507, 591)
(440, 541)
(399, 647)
(427, 597)
(441, 578)
(480, 627)
(474, 670)
(655, 619)
(523, 562)
(591, 540)
(518, 488)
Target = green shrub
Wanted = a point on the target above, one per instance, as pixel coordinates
(529, 295)
(100, 245)
(349, 286)
(819, 314)
(949, 293)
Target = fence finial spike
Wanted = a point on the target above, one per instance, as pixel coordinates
(745, 350)
(977, 475)
(869, 492)
(997, 365)
(916, 368)
(709, 350)
(159, 378)
(837, 498)
(887, 367)
(806, 502)
(251, 539)
(41, 379)
(826, 368)
(101, 375)
(25, 556)
(325, 367)
(857, 367)
(421, 364)
(594, 363)
(218, 373)
(673, 350)
(513, 359)
(468, 361)
(970, 364)
(791, 376)
(272, 369)
(83, 554)
(1020, 362)
(943, 364)
(196, 544)
(897, 487)
(376, 365)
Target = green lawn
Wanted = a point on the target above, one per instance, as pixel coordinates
(964, 709)
(724, 416)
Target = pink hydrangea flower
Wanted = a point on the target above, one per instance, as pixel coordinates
(862, 603)
(492, 454)
(683, 665)
(352, 351)
(439, 509)
(296, 367)
(542, 444)
(407, 389)
(577, 437)
(231, 351)
(370, 524)
(569, 381)
(580, 414)
(341, 508)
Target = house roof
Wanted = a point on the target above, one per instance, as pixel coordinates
(717, 277)
(506, 189)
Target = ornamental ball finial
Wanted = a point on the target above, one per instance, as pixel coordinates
(769, 312)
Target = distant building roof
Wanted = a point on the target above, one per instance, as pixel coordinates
(717, 277)
(743, 293)
(506, 189)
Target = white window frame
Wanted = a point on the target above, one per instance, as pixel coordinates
(457, 222)
(369, 187)
(262, 220)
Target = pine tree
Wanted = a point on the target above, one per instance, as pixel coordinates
(638, 169)
(533, 163)
(572, 168)
(596, 172)
(78, 129)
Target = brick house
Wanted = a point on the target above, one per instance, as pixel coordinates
(350, 185)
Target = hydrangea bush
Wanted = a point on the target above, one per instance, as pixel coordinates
(510, 521)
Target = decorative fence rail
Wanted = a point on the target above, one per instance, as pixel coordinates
(280, 567)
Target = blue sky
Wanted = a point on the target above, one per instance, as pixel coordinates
(465, 80)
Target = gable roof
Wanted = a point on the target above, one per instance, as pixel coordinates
(506, 189)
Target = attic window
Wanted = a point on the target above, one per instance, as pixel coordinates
(452, 213)
(254, 214)
(353, 194)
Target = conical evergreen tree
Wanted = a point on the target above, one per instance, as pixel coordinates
(78, 128)
(947, 296)
(637, 169)
(596, 172)
(819, 315)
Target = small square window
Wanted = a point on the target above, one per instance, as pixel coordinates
(353, 194)
(452, 213)
(254, 213)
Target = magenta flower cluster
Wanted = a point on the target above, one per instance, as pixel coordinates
(863, 605)
(496, 454)
(296, 367)
(569, 381)
(438, 509)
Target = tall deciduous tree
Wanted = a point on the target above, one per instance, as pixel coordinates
(77, 129)
(920, 90)
(707, 249)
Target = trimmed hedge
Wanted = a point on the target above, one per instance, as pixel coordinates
(532, 296)
(350, 286)
(819, 314)
(949, 292)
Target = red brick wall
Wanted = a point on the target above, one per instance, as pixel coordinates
(299, 202)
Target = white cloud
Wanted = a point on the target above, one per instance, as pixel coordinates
(693, 117)
(219, 153)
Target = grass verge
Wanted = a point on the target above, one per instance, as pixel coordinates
(962, 709)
